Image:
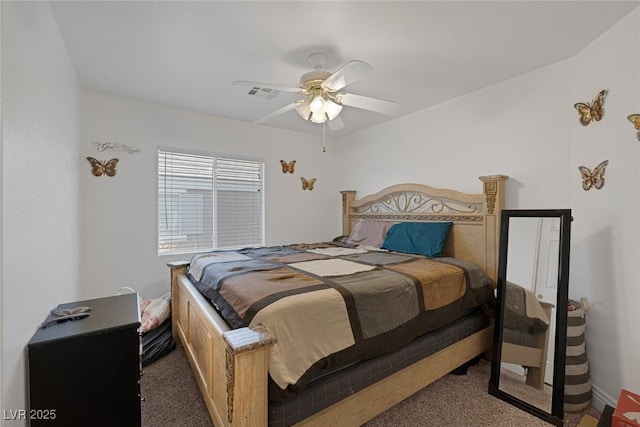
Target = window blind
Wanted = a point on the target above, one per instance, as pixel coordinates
(207, 202)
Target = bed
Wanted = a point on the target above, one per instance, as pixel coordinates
(232, 364)
(526, 333)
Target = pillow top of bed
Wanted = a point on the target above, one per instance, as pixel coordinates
(421, 238)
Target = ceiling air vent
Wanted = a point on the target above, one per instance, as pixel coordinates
(263, 92)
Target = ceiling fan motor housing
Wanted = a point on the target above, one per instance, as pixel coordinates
(313, 78)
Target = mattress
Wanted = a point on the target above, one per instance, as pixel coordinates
(330, 306)
(332, 388)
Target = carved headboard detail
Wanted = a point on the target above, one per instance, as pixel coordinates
(476, 217)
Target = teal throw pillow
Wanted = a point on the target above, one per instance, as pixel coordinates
(421, 238)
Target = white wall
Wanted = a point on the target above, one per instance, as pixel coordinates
(1, 223)
(527, 128)
(517, 128)
(40, 104)
(605, 245)
(119, 214)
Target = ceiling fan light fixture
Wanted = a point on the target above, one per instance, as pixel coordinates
(303, 109)
(308, 111)
(318, 105)
(333, 110)
(318, 117)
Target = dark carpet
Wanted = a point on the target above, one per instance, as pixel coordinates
(172, 398)
(171, 394)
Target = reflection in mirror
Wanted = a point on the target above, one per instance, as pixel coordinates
(527, 356)
(531, 315)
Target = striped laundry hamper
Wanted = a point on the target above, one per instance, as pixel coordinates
(577, 381)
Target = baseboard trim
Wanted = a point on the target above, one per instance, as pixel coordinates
(601, 398)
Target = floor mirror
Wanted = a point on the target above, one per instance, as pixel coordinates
(528, 360)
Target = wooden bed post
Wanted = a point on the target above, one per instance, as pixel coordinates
(348, 196)
(246, 365)
(177, 268)
(493, 190)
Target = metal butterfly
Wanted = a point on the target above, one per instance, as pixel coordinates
(287, 167)
(307, 184)
(593, 178)
(593, 111)
(99, 168)
(635, 119)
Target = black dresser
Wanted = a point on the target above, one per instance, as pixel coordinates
(86, 372)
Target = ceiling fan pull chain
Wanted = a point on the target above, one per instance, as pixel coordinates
(324, 145)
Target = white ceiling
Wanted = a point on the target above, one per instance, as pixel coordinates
(186, 54)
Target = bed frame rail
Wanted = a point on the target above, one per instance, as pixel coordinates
(357, 409)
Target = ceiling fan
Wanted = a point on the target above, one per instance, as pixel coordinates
(322, 100)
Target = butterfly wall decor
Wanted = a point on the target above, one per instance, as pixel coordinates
(287, 167)
(307, 184)
(635, 119)
(99, 168)
(590, 112)
(593, 178)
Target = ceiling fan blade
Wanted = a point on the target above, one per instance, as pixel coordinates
(278, 112)
(335, 124)
(349, 73)
(368, 103)
(268, 86)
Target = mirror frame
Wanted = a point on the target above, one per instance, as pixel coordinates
(555, 417)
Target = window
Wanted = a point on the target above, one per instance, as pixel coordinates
(208, 202)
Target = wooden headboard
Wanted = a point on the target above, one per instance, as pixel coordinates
(475, 233)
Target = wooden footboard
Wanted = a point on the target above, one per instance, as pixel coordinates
(231, 366)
